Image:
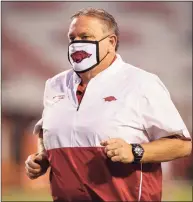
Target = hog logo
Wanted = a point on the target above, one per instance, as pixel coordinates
(57, 98)
(110, 98)
(78, 56)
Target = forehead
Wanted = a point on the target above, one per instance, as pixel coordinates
(86, 24)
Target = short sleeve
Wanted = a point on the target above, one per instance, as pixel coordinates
(159, 115)
(38, 125)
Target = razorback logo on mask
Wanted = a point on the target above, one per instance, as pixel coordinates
(78, 56)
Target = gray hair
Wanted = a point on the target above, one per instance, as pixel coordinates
(102, 15)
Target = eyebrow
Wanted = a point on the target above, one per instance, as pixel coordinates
(81, 34)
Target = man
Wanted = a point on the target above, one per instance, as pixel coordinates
(106, 125)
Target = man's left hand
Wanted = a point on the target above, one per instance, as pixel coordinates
(118, 150)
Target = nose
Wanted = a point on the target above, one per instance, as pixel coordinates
(77, 38)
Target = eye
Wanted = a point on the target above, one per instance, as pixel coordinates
(71, 38)
(85, 37)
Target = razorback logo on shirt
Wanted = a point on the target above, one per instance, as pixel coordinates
(110, 98)
(58, 98)
(78, 56)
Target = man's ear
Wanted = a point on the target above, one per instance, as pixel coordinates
(113, 42)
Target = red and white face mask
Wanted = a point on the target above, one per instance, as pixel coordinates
(84, 55)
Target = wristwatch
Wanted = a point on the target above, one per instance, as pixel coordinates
(138, 152)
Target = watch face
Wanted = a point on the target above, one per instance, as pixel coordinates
(138, 150)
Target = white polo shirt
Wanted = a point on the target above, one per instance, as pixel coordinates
(120, 102)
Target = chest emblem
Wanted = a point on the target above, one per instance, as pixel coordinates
(58, 98)
(109, 99)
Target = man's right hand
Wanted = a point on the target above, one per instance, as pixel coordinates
(36, 165)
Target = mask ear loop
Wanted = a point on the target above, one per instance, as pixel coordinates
(98, 59)
(98, 64)
(98, 48)
(104, 38)
(90, 75)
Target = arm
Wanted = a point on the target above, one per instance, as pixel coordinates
(166, 149)
(42, 151)
(39, 132)
(41, 147)
(37, 164)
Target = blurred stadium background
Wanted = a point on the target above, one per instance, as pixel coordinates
(155, 36)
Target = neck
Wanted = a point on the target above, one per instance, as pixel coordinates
(87, 76)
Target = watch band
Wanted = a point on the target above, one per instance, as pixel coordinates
(138, 152)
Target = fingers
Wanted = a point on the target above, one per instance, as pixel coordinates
(32, 176)
(39, 158)
(113, 146)
(33, 170)
(30, 163)
(116, 159)
(112, 153)
(110, 141)
(118, 150)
